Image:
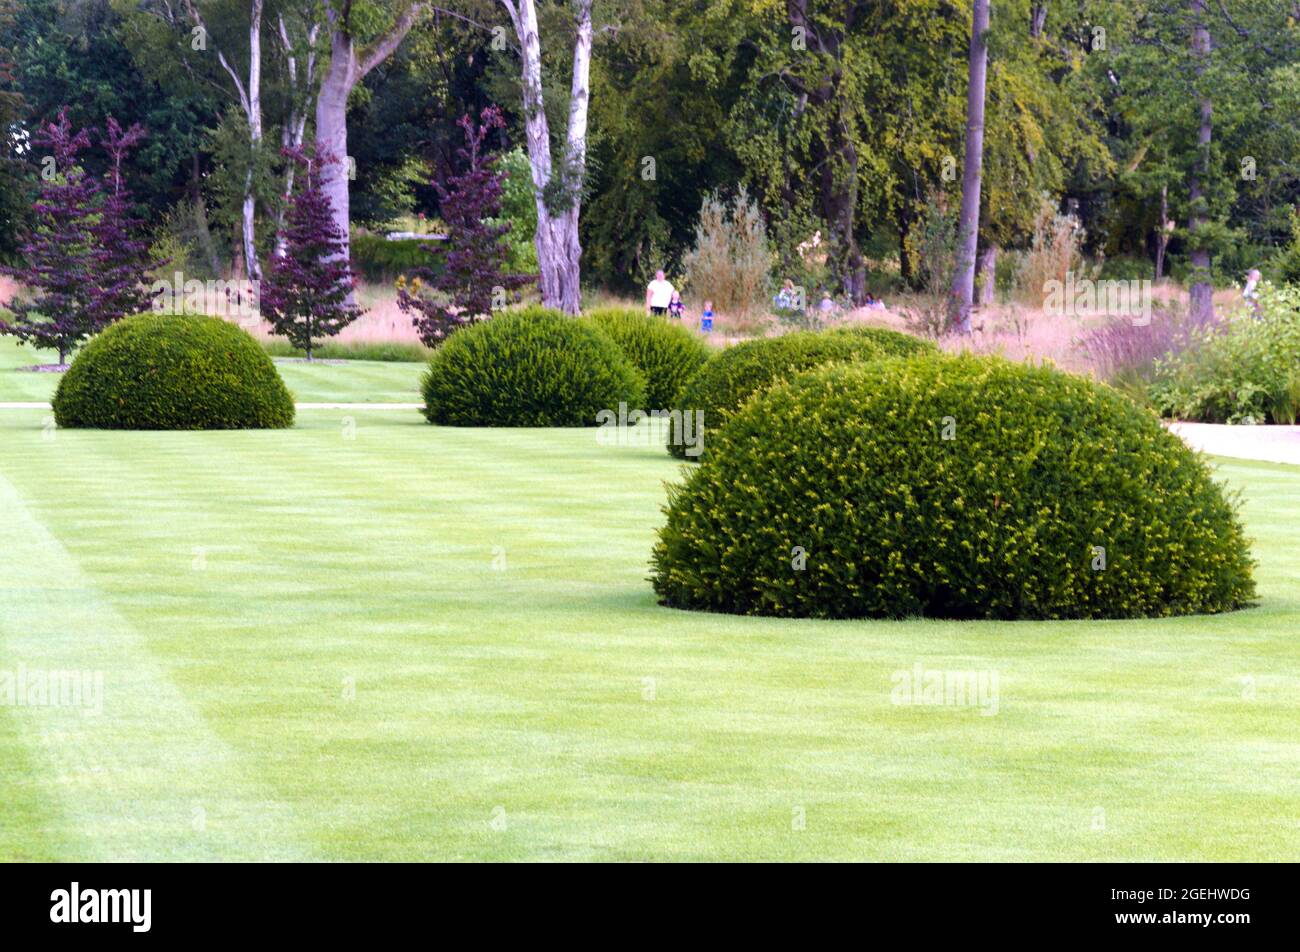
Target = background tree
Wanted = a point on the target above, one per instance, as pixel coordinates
(123, 255)
(472, 281)
(307, 292)
(14, 192)
(356, 48)
(62, 253)
(248, 87)
(1202, 124)
(968, 220)
(557, 182)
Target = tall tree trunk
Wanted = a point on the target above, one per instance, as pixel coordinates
(839, 200)
(1037, 19)
(332, 130)
(837, 161)
(903, 222)
(295, 126)
(988, 268)
(347, 67)
(250, 101)
(254, 138)
(968, 224)
(559, 251)
(1201, 296)
(201, 220)
(1162, 234)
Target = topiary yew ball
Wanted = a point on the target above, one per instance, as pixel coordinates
(954, 488)
(531, 367)
(173, 372)
(890, 343)
(665, 352)
(722, 385)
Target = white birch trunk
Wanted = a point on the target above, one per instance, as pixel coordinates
(347, 67)
(250, 101)
(1201, 292)
(295, 126)
(254, 138)
(559, 251)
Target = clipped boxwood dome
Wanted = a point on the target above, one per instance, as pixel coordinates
(531, 367)
(889, 342)
(666, 353)
(723, 384)
(173, 372)
(954, 488)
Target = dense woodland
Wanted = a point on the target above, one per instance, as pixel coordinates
(1167, 128)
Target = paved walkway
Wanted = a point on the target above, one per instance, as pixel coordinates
(1269, 444)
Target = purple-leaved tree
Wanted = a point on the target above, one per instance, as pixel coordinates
(473, 281)
(83, 266)
(58, 253)
(306, 290)
(124, 259)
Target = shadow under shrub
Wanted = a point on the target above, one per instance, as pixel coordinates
(958, 487)
(731, 377)
(664, 351)
(173, 372)
(530, 367)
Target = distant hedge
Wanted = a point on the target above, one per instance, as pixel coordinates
(730, 378)
(530, 367)
(955, 487)
(380, 260)
(666, 353)
(173, 372)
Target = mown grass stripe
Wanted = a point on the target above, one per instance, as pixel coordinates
(146, 778)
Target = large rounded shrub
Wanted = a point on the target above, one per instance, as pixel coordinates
(950, 487)
(666, 353)
(723, 384)
(888, 342)
(531, 367)
(173, 372)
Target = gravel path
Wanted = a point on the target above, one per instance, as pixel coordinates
(1270, 444)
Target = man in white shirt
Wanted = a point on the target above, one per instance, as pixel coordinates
(658, 294)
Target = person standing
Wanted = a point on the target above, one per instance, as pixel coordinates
(676, 307)
(1251, 293)
(658, 294)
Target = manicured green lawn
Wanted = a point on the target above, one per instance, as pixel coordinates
(379, 639)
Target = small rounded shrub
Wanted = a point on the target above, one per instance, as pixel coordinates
(951, 487)
(173, 372)
(723, 384)
(888, 342)
(666, 353)
(530, 367)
